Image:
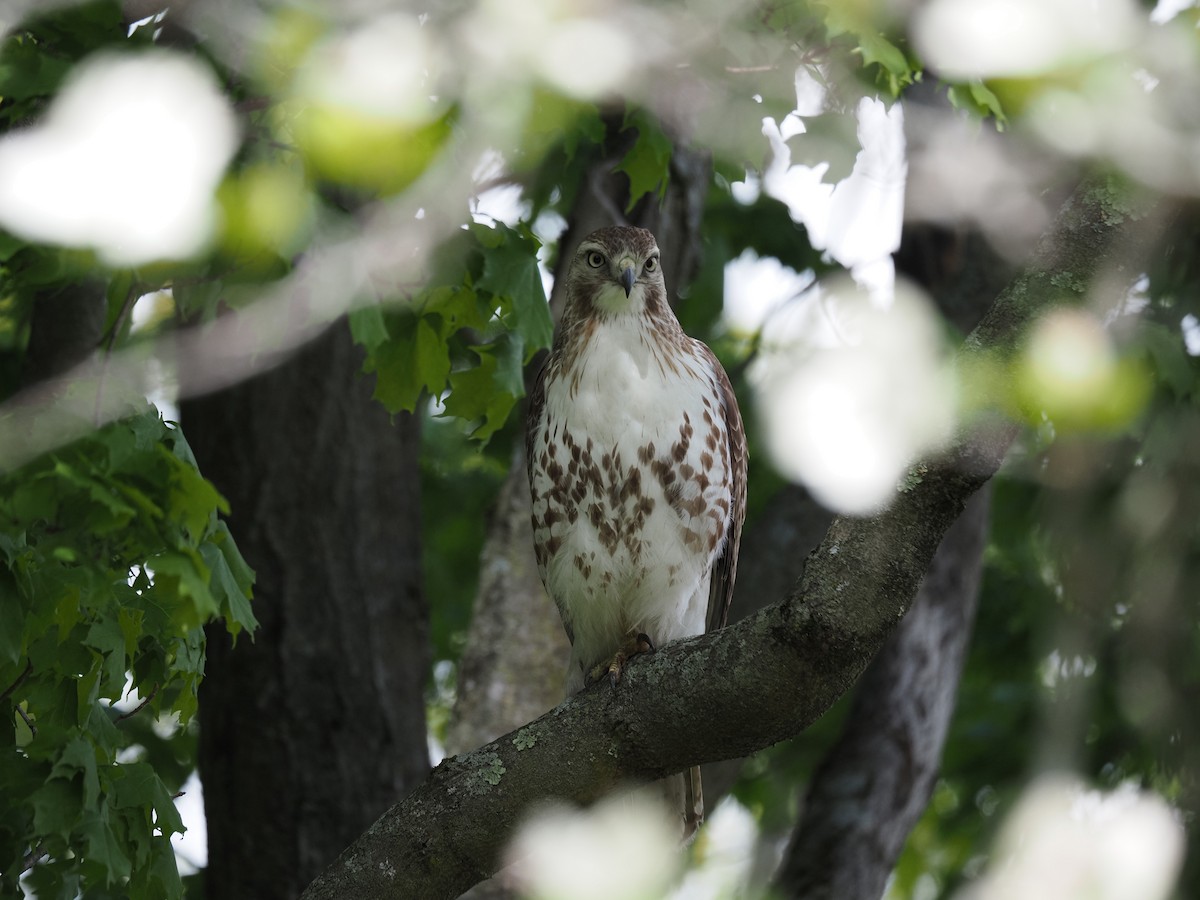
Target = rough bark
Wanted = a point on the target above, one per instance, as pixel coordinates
(311, 729)
(875, 781)
(670, 712)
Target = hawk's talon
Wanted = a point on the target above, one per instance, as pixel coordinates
(614, 667)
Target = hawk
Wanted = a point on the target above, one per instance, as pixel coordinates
(637, 469)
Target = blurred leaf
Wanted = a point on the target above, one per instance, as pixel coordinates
(479, 395)
(510, 272)
(367, 327)
(376, 154)
(414, 359)
(1170, 359)
(648, 162)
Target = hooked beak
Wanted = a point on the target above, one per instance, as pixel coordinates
(627, 277)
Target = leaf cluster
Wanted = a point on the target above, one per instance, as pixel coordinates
(465, 336)
(114, 557)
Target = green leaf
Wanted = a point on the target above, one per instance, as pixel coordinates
(12, 620)
(878, 50)
(510, 272)
(57, 805)
(367, 326)
(27, 71)
(100, 728)
(187, 577)
(509, 376)
(194, 500)
(235, 605)
(134, 785)
(78, 756)
(164, 869)
(414, 360)
(242, 573)
(103, 846)
(987, 101)
(1167, 352)
(476, 396)
(455, 307)
(102, 493)
(130, 622)
(107, 639)
(9, 244)
(432, 358)
(148, 429)
(138, 785)
(648, 162)
(978, 99)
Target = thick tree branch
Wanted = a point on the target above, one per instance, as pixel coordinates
(874, 783)
(735, 691)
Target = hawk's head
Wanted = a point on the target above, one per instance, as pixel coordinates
(616, 270)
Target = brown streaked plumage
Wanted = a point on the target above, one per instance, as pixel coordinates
(637, 468)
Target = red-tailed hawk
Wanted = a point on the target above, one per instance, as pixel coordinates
(637, 466)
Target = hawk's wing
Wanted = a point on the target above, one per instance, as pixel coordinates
(533, 415)
(533, 422)
(724, 572)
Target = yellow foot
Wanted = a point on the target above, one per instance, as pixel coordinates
(635, 643)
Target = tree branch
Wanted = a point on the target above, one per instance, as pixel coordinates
(875, 782)
(738, 690)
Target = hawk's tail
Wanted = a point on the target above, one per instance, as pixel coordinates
(683, 795)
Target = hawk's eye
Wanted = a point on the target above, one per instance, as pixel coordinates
(652, 264)
(595, 259)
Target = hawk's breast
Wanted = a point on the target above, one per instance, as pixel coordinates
(631, 481)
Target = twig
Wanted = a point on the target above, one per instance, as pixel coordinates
(137, 709)
(20, 678)
(28, 721)
(33, 857)
(110, 341)
(131, 296)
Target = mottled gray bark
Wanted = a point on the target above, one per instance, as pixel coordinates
(310, 730)
(779, 670)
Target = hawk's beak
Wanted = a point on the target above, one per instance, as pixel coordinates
(627, 277)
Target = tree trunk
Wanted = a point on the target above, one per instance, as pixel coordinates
(311, 729)
(65, 328)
